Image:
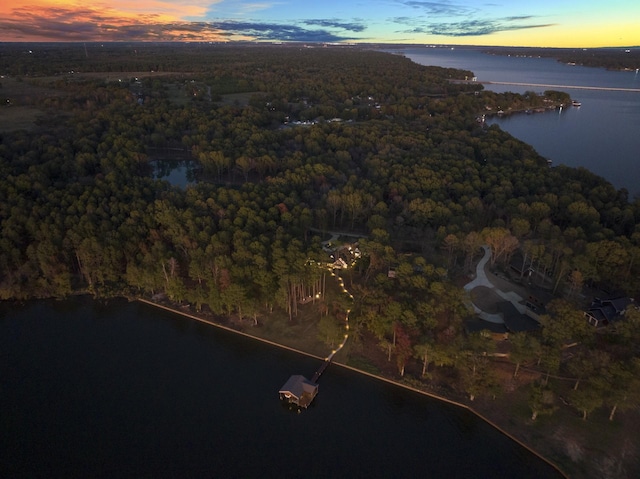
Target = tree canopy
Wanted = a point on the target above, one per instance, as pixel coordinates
(288, 144)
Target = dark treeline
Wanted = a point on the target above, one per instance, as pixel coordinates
(329, 139)
(610, 58)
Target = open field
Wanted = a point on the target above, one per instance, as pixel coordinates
(23, 99)
(20, 108)
(18, 118)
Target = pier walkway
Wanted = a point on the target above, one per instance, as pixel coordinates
(319, 372)
(300, 391)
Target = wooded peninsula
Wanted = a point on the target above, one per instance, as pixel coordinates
(309, 160)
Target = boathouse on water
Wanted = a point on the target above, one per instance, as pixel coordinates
(298, 390)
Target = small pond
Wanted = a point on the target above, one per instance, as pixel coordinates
(179, 173)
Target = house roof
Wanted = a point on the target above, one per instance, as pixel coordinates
(609, 309)
(297, 385)
(620, 304)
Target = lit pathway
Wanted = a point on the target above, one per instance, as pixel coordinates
(346, 320)
(328, 359)
(481, 279)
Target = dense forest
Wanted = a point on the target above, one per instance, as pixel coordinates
(289, 144)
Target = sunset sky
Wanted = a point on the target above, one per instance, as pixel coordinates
(558, 23)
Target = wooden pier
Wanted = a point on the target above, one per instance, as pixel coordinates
(319, 372)
(300, 391)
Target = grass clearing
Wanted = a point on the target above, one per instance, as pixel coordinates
(300, 333)
(19, 102)
(237, 99)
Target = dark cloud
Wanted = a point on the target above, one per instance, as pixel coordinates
(520, 17)
(352, 26)
(279, 32)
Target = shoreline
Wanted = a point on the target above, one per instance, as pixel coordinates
(359, 371)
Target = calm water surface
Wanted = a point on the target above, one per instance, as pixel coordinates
(126, 390)
(178, 173)
(603, 135)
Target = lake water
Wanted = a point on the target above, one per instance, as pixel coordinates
(120, 389)
(603, 135)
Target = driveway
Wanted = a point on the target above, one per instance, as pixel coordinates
(488, 294)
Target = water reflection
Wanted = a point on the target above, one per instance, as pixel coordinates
(179, 173)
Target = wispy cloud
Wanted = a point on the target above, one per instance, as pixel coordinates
(519, 17)
(250, 8)
(444, 8)
(478, 28)
(467, 28)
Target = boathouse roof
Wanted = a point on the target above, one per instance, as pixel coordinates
(299, 390)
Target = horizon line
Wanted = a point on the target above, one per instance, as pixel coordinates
(299, 42)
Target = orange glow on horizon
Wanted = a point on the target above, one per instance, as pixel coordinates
(117, 8)
(46, 20)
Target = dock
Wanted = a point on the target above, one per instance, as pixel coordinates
(300, 391)
(319, 372)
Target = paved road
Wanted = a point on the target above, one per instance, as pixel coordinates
(503, 288)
